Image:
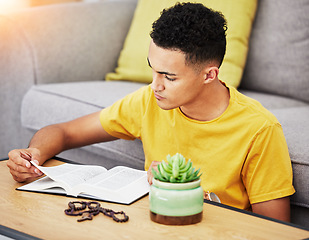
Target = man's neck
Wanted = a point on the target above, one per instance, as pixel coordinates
(213, 101)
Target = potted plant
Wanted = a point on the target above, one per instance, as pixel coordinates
(176, 197)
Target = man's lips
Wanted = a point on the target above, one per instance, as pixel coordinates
(157, 96)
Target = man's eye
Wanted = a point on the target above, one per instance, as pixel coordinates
(170, 79)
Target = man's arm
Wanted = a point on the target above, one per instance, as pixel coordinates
(83, 131)
(277, 208)
(53, 139)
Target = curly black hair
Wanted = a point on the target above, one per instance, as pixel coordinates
(197, 31)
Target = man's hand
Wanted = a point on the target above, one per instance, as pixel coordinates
(53, 139)
(20, 166)
(154, 165)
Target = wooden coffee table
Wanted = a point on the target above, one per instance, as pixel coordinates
(33, 215)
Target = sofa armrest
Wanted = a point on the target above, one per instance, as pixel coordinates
(16, 77)
(75, 41)
(55, 43)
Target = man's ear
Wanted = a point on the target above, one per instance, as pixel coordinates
(211, 73)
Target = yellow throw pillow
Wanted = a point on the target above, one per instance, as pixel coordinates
(132, 62)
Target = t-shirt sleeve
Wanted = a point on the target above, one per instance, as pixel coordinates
(267, 172)
(123, 119)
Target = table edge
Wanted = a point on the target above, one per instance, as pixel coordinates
(256, 215)
(15, 234)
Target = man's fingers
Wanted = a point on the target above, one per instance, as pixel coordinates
(20, 166)
(149, 177)
(20, 157)
(154, 165)
(22, 176)
(22, 169)
(16, 167)
(35, 170)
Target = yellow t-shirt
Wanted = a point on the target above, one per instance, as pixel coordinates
(242, 154)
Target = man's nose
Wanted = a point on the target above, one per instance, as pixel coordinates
(157, 82)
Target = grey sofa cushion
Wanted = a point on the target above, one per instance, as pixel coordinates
(278, 54)
(77, 46)
(53, 103)
(271, 101)
(295, 126)
(66, 101)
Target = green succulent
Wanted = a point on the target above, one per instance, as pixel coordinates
(176, 170)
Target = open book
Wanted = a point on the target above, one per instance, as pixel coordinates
(119, 184)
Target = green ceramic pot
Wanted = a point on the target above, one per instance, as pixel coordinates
(176, 199)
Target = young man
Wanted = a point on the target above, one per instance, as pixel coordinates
(238, 145)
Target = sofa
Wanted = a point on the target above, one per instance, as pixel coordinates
(53, 62)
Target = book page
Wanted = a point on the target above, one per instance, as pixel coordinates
(57, 170)
(117, 178)
(120, 184)
(72, 174)
(43, 184)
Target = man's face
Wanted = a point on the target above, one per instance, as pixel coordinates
(174, 84)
